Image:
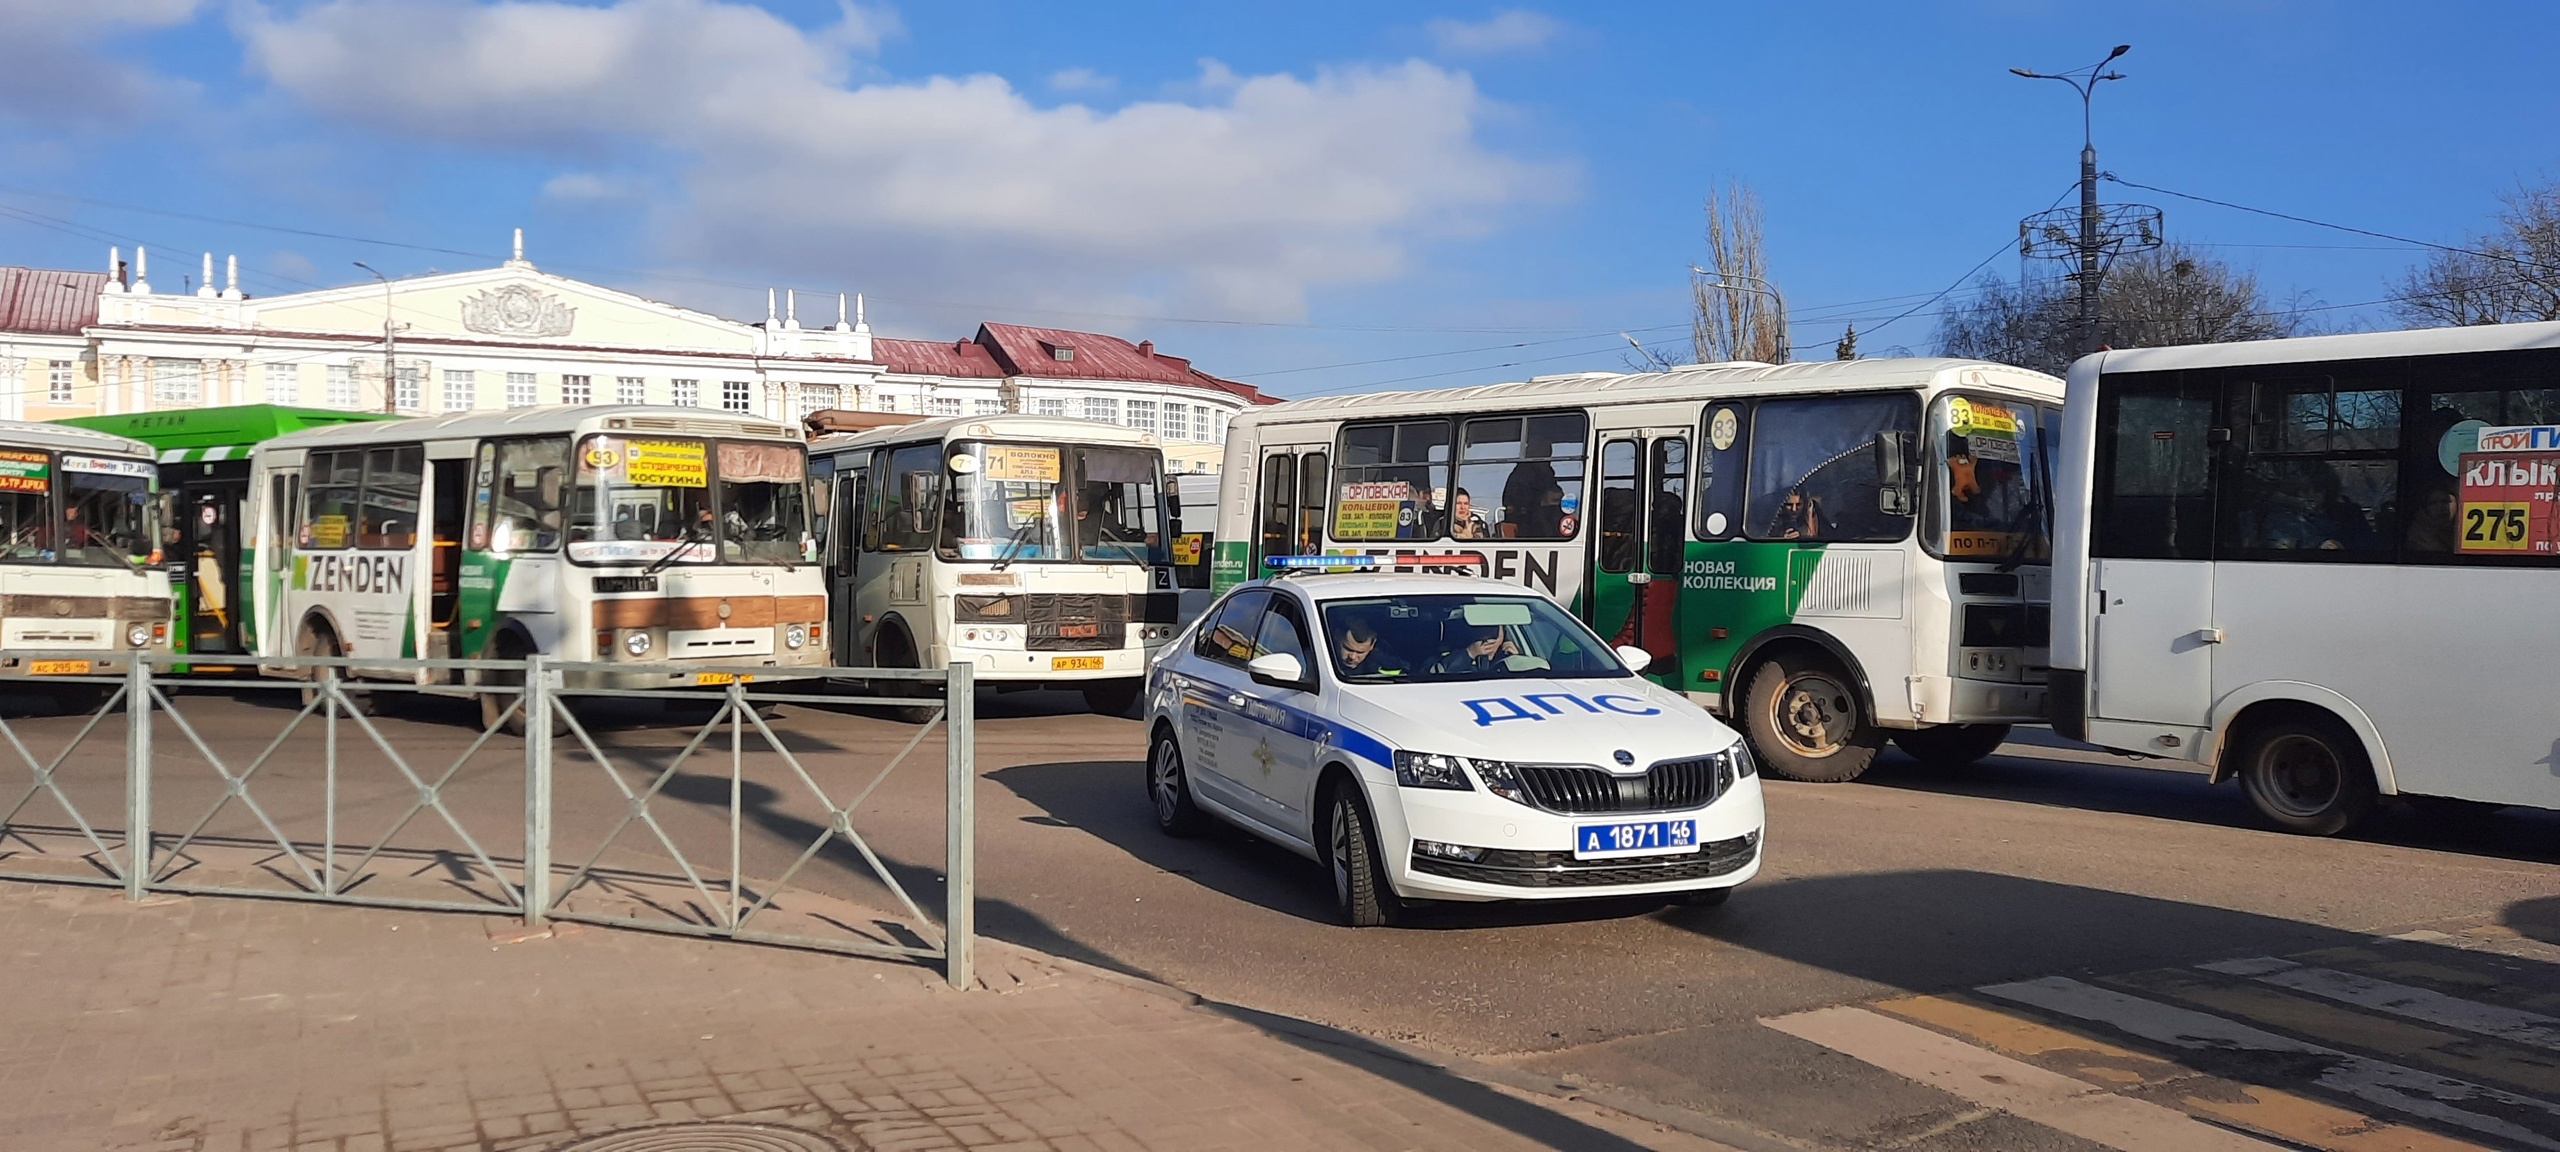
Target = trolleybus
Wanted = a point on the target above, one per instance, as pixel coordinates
(659, 539)
(1833, 553)
(204, 481)
(2325, 566)
(1030, 546)
(79, 565)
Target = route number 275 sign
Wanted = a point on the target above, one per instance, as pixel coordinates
(2510, 503)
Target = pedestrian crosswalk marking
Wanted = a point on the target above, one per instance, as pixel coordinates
(2453, 1053)
(2440, 1098)
(2256, 1107)
(2423, 1004)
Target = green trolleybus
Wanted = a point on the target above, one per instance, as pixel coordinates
(1832, 554)
(204, 482)
(661, 539)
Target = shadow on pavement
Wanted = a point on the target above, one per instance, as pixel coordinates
(2183, 793)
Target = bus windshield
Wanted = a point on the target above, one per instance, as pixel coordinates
(106, 518)
(642, 500)
(1013, 502)
(1988, 499)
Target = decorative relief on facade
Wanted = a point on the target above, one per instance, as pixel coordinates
(516, 310)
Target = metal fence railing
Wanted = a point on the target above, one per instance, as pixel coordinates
(312, 788)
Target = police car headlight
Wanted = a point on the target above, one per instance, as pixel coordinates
(1739, 756)
(1502, 779)
(636, 643)
(138, 635)
(795, 636)
(1432, 770)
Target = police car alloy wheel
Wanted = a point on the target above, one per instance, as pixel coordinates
(1170, 790)
(1360, 889)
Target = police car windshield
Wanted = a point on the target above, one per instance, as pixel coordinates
(1449, 638)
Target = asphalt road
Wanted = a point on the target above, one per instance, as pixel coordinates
(2042, 861)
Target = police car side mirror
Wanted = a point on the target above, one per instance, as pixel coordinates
(1278, 669)
(1635, 658)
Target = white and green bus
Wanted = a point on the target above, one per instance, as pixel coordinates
(79, 562)
(1833, 553)
(1033, 547)
(663, 539)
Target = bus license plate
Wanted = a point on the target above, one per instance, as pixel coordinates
(721, 678)
(58, 667)
(1075, 663)
(1639, 838)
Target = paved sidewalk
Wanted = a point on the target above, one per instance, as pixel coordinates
(227, 1025)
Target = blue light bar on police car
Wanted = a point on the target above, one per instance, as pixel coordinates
(1359, 562)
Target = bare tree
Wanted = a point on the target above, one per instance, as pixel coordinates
(2173, 295)
(2514, 277)
(1737, 313)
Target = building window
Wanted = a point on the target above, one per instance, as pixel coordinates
(342, 387)
(461, 390)
(888, 403)
(630, 390)
(57, 380)
(577, 390)
(989, 407)
(177, 381)
(1177, 421)
(284, 384)
(408, 395)
(1050, 406)
(816, 398)
(942, 406)
(1142, 415)
(1222, 427)
(1102, 408)
(685, 393)
(737, 396)
(520, 390)
(1200, 423)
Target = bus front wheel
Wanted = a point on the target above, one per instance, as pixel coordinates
(318, 639)
(1112, 697)
(1951, 745)
(2307, 774)
(1806, 721)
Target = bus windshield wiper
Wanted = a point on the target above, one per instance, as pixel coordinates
(684, 544)
(1013, 547)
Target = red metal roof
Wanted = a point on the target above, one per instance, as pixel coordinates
(1028, 351)
(48, 301)
(937, 358)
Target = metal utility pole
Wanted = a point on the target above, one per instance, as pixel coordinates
(2085, 82)
(390, 346)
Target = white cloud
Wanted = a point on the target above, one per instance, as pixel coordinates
(1081, 80)
(1511, 30)
(1238, 197)
(52, 68)
(588, 188)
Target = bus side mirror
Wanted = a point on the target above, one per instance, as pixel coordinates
(1893, 473)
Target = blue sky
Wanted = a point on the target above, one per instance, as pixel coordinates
(1404, 191)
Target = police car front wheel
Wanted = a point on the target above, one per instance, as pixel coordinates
(1170, 788)
(1360, 889)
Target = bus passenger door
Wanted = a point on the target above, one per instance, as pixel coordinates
(448, 496)
(1289, 506)
(844, 556)
(1642, 536)
(209, 553)
(2154, 631)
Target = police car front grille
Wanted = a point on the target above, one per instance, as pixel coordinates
(1561, 870)
(1579, 790)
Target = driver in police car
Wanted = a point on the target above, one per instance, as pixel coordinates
(1481, 648)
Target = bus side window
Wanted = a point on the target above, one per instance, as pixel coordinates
(393, 479)
(335, 479)
(1720, 475)
(844, 527)
(871, 503)
(911, 501)
(530, 479)
(1279, 502)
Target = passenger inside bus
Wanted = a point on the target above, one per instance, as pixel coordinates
(1532, 503)
(1799, 518)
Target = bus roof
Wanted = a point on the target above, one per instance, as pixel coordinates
(2357, 346)
(189, 434)
(1688, 382)
(1045, 429)
(552, 420)
(60, 438)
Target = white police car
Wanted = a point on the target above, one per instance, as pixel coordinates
(1445, 738)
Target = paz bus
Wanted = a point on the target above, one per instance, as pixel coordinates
(204, 485)
(1031, 546)
(1834, 553)
(79, 569)
(659, 539)
(2328, 567)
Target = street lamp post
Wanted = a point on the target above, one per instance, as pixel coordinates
(1777, 303)
(390, 345)
(2085, 82)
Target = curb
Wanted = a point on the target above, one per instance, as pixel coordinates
(1694, 1123)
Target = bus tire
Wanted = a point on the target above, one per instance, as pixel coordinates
(2307, 773)
(493, 705)
(896, 650)
(317, 638)
(1113, 697)
(1805, 721)
(1951, 745)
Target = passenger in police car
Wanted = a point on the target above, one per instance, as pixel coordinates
(1356, 652)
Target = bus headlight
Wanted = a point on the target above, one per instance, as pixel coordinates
(636, 644)
(139, 635)
(795, 636)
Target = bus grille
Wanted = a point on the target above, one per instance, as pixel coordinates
(1075, 621)
(1671, 785)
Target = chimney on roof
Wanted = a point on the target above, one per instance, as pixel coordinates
(1147, 348)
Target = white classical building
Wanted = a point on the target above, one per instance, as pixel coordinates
(83, 343)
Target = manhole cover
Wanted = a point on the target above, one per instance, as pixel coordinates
(706, 1136)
